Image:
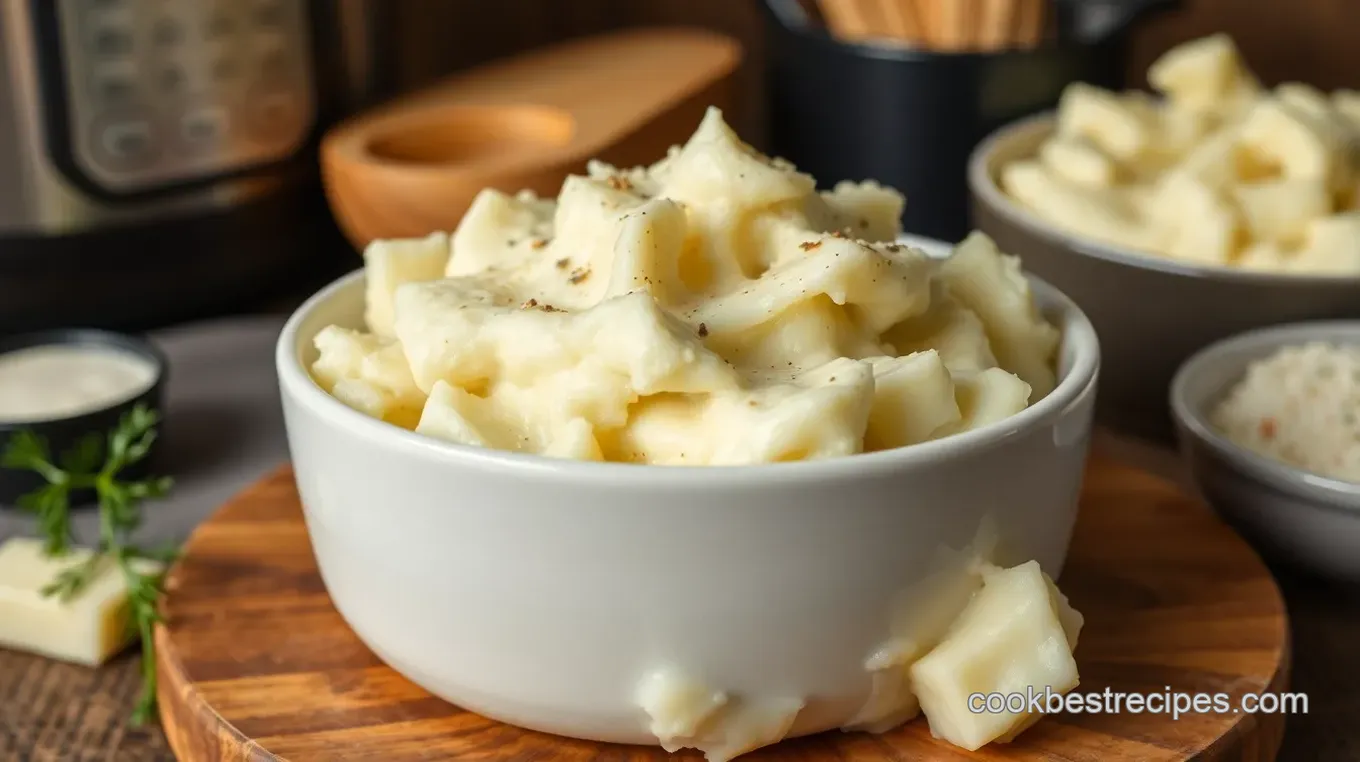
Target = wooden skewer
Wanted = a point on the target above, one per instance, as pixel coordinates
(1031, 20)
(973, 19)
(949, 19)
(916, 19)
(898, 20)
(847, 19)
(880, 25)
(925, 12)
(997, 24)
(912, 10)
(946, 25)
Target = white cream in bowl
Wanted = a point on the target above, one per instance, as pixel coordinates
(52, 381)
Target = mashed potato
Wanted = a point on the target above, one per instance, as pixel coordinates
(714, 308)
(1220, 171)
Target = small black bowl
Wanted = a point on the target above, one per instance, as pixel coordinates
(63, 434)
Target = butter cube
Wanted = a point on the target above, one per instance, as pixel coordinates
(89, 629)
(1015, 637)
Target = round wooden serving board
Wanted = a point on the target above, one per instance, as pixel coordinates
(257, 665)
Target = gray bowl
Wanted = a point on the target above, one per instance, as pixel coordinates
(1150, 312)
(1293, 516)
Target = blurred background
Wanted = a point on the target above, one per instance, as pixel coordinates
(1301, 40)
(135, 204)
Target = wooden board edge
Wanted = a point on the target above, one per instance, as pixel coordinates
(184, 714)
(197, 733)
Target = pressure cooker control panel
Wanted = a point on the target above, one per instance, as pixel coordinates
(160, 93)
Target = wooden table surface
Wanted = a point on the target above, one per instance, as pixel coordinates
(51, 712)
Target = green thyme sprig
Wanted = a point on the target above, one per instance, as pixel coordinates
(96, 463)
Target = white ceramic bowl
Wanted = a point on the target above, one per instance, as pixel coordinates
(1304, 519)
(538, 592)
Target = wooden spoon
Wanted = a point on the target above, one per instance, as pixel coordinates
(415, 165)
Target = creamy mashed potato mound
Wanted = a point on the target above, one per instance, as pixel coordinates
(712, 309)
(1219, 171)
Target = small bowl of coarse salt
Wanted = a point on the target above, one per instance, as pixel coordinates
(1269, 425)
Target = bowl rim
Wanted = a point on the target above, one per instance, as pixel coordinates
(1319, 490)
(1077, 333)
(985, 190)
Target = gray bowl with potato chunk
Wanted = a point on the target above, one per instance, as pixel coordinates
(1151, 312)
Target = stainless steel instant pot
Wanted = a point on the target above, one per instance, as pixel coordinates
(157, 157)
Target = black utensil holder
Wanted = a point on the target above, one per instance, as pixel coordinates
(909, 118)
